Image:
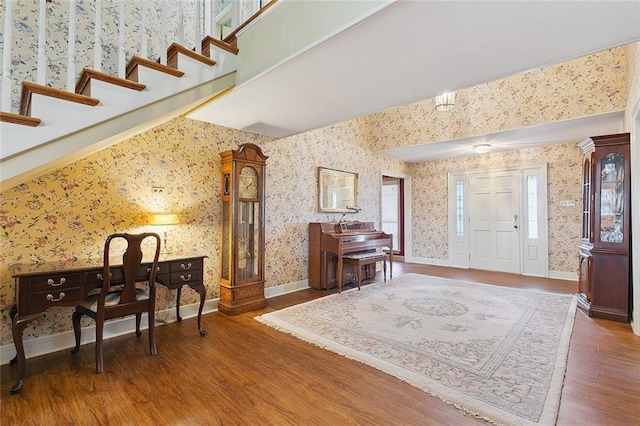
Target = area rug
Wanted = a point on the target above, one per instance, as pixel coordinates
(498, 353)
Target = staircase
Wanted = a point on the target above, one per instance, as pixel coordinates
(54, 127)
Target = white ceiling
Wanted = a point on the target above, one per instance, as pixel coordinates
(415, 50)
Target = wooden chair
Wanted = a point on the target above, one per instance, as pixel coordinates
(120, 296)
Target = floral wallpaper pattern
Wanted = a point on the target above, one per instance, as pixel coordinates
(66, 215)
(576, 88)
(633, 83)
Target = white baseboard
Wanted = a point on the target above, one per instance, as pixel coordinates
(558, 275)
(66, 340)
(279, 290)
(561, 275)
(428, 261)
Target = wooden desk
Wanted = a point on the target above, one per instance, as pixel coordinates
(45, 285)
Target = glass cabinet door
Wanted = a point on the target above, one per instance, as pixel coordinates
(248, 240)
(612, 198)
(586, 200)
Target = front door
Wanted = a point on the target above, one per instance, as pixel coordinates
(494, 220)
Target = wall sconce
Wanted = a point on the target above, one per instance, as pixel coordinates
(446, 101)
(481, 148)
(164, 219)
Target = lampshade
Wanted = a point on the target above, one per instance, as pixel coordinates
(164, 219)
(446, 101)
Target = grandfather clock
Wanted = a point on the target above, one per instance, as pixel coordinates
(242, 249)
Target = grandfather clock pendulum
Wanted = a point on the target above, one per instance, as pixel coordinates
(242, 249)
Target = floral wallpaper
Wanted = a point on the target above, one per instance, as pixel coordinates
(633, 84)
(66, 215)
(579, 87)
(564, 167)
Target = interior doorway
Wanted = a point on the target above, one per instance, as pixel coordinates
(393, 208)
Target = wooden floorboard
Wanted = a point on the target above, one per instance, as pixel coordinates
(243, 372)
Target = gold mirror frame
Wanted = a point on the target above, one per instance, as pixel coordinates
(337, 191)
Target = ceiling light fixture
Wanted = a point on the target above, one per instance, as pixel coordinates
(481, 148)
(446, 101)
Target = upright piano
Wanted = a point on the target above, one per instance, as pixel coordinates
(329, 241)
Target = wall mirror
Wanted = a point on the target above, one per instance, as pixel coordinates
(337, 190)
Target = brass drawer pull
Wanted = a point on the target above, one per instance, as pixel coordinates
(187, 266)
(101, 277)
(51, 299)
(187, 278)
(54, 284)
(157, 269)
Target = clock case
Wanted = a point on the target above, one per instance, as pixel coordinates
(243, 216)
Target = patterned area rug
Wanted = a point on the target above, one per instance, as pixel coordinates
(498, 353)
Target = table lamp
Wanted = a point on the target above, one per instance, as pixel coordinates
(164, 219)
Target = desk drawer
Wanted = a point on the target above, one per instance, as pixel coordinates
(54, 282)
(178, 279)
(40, 301)
(94, 279)
(186, 265)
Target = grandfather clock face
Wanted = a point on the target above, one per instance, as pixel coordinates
(248, 183)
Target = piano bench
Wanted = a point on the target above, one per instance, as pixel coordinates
(361, 259)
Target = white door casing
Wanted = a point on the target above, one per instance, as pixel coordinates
(534, 229)
(502, 230)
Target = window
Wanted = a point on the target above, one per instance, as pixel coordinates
(532, 207)
(459, 208)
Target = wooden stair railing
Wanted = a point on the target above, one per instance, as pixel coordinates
(82, 93)
(232, 39)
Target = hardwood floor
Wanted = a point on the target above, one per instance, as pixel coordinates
(244, 372)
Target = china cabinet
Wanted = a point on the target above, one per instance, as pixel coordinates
(604, 251)
(242, 246)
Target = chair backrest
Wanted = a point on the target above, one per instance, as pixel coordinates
(131, 265)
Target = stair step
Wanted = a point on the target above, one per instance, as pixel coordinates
(23, 120)
(137, 61)
(104, 106)
(83, 85)
(29, 89)
(175, 49)
(208, 41)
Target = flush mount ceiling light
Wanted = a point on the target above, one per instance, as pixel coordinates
(445, 102)
(481, 148)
